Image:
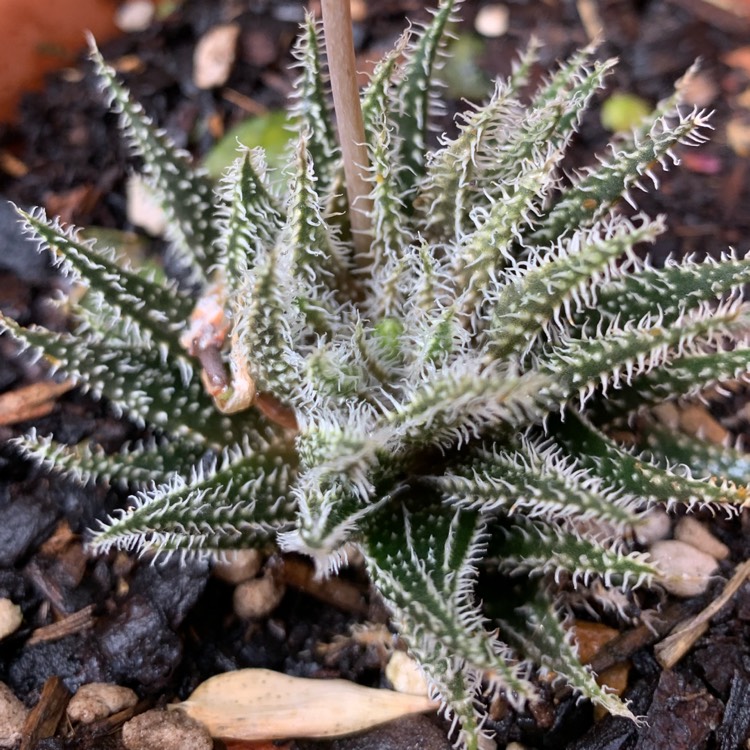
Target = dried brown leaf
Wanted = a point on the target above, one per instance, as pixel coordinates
(258, 704)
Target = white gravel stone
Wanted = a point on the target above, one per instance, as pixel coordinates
(10, 618)
(98, 700)
(492, 20)
(143, 207)
(238, 566)
(653, 526)
(214, 56)
(693, 532)
(161, 729)
(135, 15)
(12, 717)
(258, 597)
(405, 675)
(686, 571)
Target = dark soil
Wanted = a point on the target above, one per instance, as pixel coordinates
(162, 629)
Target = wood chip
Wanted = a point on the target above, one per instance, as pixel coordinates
(674, 647)
(654, 626)
(12, 165)
(75, 623)
(336, 591)
(730, 15)
(31, 401)
(246, 103)
(43, 719)
(738, 135)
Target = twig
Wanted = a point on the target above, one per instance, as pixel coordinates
(337, 27)
(673, 648)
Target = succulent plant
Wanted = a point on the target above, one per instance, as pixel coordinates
(443, 400)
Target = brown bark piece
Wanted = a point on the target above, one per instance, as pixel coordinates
(45, 716)
(30, 401)
(75, 623)
(336, 591)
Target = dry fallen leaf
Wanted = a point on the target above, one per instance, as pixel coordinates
(258, 704)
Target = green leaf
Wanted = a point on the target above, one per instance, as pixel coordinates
(267, 131)
(537, 548)
(138, 383)
(250, 221)
(422, 560)
(536, 631)
(621, 112)
(151, 312)
(310, 110)
(456, 404)
(154, 461)
(184, 191)
(535, 294)
(536, 480)
(612, 358)
(481, 254)
(263, 330)
(597, 189)
(669, 448)
(200, 515)
(413, 94)
(639, 476)
(636, 290)
(683, 377)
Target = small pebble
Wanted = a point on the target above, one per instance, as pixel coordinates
(134, 15)
(214, 56)
(358, 10)
(693, 532)
(12, 717)
(238, 566)
(165, 730)
(405, 675)
(653, 526)
(143, 207)
(10, 618)
(258, 597)
(98, 700)
(492, 20)
(686, 571)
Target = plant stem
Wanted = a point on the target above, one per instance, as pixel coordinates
(337, 27)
